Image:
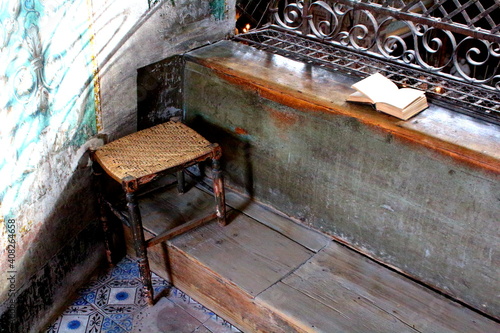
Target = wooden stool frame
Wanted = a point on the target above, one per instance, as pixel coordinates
(131, 185)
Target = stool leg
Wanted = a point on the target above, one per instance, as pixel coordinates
(180, 181)
(219, 192)
(140, 245)
(97, 173)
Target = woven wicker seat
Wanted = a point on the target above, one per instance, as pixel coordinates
(152, 150)
(142, 157)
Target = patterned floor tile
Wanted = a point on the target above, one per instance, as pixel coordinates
(160, 285)
(116, 292)
(126, 269)
(110, 326)
(92, 322)
(114, 302)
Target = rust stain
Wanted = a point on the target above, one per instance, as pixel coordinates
(240, 131)
(385, 124)
(281, 119)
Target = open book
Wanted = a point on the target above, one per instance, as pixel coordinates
(387, 97)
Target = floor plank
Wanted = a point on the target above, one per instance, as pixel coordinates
(310, 314)
(308, 238)
(266, 280)
(246, 252)
(225, 298)
(164, 210)
(349, 288)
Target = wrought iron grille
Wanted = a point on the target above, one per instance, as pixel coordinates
(449, 48)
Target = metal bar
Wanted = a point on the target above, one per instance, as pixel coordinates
(460, 8)
(477, 101)
(424, 19)
(409, 5)
(306, 16)
(434, 7)
(485, 14)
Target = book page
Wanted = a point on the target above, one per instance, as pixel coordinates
(402, 98)
(358, 97)
(376, 87)
(418, 105)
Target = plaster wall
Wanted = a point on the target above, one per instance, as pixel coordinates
(129, 39)
(47, 111)
(68, 73)
(422, 212)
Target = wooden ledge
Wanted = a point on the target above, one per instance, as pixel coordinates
(323, 92)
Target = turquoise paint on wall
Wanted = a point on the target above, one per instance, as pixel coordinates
(46, 93)
(218, 8)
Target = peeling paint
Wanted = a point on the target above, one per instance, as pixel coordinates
(50, 102)
(218, 8)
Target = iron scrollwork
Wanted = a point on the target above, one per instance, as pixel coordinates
(419, 34)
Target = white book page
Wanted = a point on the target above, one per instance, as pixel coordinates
(402, 98)
(358, 97)
(377, 88)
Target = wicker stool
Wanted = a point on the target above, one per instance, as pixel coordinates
(142, 157)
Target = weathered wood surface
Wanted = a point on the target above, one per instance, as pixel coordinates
(306, 237)
(245, 252)
(222, 296)
(225, 267)
(364, 178)
(313, 88)
(164, 210)
(212, 290)
(262, 281)
(339, 290)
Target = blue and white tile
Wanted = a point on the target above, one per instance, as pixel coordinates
(127, 269)
(76, 324)
(110, 326)
(159, 284)
(73, 323)
(115, 303)
(116, 292)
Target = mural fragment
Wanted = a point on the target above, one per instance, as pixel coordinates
(47, 103)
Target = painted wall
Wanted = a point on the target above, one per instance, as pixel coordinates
(128, 40)
(47, 111)
(68, 72)
(47, 103)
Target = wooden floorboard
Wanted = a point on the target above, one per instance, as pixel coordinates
(245, 252)
(226, 299)
(311, 314)
(354, 291)
(308, 238)
(273, 275)
(164, 210)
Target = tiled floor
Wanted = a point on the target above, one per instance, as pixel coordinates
(113, 304)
